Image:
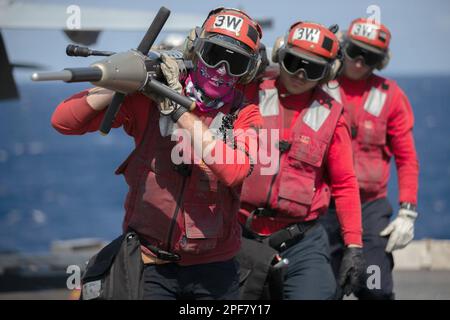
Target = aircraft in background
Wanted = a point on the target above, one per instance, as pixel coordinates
(94, 20)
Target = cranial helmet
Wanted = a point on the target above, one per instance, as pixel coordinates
(371, 36)
(227, 35)
(313, 42)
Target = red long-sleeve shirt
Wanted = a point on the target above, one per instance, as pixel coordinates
(400, 139)
(74, 116)
(341, 175)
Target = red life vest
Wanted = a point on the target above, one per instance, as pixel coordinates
(369, 135)
(193, 215)
(299, 188)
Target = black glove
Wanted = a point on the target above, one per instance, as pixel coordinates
(352, 268)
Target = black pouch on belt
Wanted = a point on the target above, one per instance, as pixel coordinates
(259, 278)
(286, 237)
(115, 273)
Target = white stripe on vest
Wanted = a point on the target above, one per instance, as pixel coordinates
(268, 102)
(332, 88)
(375, 102)
(269, 106)
(316, 116)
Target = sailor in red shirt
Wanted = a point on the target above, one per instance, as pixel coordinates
(381, 120)
(310, 147)
(184, 212)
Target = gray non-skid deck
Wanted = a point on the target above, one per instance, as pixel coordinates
(422, 284)
(409, 285)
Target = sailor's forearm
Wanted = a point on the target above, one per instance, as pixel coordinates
(214, 152)
(201, 137)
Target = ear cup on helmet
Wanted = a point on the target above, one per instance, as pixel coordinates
(334, 70)
(336, 66)
(279, 43)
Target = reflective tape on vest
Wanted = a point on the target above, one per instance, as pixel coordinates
(375, 102)
(316, 116)
(269, 106)
(268, 102)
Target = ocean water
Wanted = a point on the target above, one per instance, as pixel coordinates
(63, 187)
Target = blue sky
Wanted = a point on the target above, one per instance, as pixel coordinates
(420, 45)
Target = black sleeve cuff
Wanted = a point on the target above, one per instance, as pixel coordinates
(408, 206)
(178, 113)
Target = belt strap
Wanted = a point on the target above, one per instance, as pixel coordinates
(149, 258)
(259, 212)
(286, 237)
(282, 239)
(159, 253)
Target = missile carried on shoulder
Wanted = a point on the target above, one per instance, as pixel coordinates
(125, 72)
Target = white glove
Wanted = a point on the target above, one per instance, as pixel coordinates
(401, 230)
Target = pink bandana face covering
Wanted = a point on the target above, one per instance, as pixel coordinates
(211, 87)
(214, 82)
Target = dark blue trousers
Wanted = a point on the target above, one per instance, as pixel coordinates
(309, 274)
(375, 217)
(211, 281)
